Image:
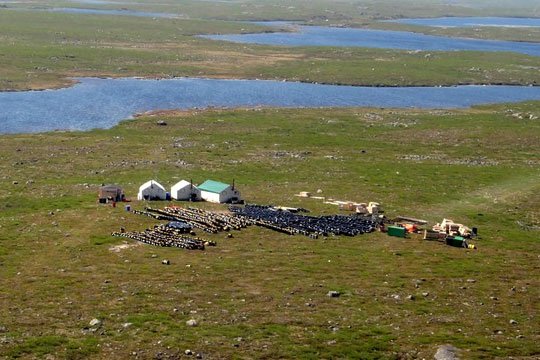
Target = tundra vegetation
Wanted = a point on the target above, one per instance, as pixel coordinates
(261, 293)
(41, 50)
(68, 289)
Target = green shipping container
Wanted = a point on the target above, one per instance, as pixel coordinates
(396, 231)
(456, 241)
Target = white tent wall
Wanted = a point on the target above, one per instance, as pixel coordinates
(152, 190)
(210, 197)
(184, 190)
(224, 196)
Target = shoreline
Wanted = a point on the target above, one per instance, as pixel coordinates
(426, 29)
(73, 80)
(179, 112)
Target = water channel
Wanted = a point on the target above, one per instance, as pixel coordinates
(102, 103)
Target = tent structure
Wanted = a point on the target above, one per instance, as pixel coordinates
(218, 192)
(152, 190)
(185, 190)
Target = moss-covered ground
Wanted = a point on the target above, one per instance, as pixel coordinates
(262, 294)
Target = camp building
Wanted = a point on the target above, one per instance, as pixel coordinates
(152, 190)
(109, 193)
(218, 192)
(185, 190)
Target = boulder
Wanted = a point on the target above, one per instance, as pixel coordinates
(333, 294)
(446, 352)
(95, 323)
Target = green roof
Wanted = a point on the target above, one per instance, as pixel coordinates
(213, 186)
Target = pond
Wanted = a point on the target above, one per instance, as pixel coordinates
(334, 36)
(102, 103)
(473, 22)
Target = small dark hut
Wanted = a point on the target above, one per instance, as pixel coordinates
(110, 193)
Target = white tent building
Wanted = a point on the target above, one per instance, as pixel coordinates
(184, 190)
(217, 192)
(152, 190)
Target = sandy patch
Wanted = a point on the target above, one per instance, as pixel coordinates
(124, 246)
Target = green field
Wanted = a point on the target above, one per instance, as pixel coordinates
(358, 13)
(344, 10)
(262, 294)
(41, 50)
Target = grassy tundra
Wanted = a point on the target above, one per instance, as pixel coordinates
(41, 50)
(359, 13)
(262, 294)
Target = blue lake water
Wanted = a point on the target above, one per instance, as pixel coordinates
(103, 12)
(473, 22)
(100, 2)
(333, 36)
(102, 103)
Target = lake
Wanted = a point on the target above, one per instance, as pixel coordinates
(102, 103)
(103, 12)
(334, 36)
(472, 22)
(101, 2)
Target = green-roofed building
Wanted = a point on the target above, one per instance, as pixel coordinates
(218, 192)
